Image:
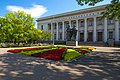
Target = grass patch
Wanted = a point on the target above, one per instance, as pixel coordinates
(71, 54)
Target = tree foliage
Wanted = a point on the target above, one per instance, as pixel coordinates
(112, 10)
(19, 27)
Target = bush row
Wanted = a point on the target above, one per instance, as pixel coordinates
(8, 45)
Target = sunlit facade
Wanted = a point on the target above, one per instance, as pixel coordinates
(89, 23)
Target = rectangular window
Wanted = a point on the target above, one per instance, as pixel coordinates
(90, 22)
(49, 27)
(60, 36)
(100, 21)
(54, 36)
(110, 35)
(74, 24)
(60, 27)
(67, 26)
(110, 21)
(54, 27)
(81, 23)
(41, 27)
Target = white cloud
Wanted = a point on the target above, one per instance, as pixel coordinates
(36, 10)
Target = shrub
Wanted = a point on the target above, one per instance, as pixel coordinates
(11, 45)
(35, 44)
(28, 45)
(21, 45)
(0, 45)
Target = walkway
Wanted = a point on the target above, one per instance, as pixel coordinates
(102, 64)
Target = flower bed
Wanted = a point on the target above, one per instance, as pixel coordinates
(19, 50)
(54, 53)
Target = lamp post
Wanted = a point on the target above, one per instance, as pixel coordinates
(53, 31)
(53, 37)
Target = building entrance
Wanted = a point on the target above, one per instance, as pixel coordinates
(82, 37)
(100, 36)
(90, 36)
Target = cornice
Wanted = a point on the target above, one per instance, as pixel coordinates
(97, 8)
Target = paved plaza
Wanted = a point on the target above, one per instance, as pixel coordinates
(102, 64)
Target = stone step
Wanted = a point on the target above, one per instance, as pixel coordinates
(101, 44)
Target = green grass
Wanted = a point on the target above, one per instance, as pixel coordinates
(35, 51)
(71, 54)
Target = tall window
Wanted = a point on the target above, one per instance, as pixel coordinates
(90, 22)
(67, 25)
(74, 24)
(54, 36)
(110, 35)
(41, 27)
(60, 26)
(55, 26)
(100, 21)
(110, 21)
(60, 36)
(49, 27)
(82, 23)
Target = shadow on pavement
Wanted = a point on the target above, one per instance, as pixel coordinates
(96, 66)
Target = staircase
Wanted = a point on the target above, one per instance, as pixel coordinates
(99, 44)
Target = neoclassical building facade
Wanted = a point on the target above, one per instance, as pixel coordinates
(91, 27)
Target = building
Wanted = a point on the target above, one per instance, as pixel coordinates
(89, 23)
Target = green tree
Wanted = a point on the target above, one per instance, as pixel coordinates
(45, 35)
(5, 30)
(19, 27)
(21, 23)
(112, 10)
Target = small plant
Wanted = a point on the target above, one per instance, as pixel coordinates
(11, 45)
(21, 45)
(0, 45)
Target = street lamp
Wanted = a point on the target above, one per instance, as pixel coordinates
(53, 38)
(53, 31)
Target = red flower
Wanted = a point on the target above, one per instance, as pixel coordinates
(52, 54)
(83, 51)
(14, 51)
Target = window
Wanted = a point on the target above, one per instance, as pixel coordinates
(81, 23)
(100, 21)
(41, 27)
(54, 27)
(60, 36)
(90, 22)
(110, 35)
(54, 36)
(67, 25)
(49, 27)
(74, 24)
(60, 26)
(110, 21)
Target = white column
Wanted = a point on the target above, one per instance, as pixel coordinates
(85, 30)
(63, 31)
(57, 31)
(94, 32)
(70, 24)
(105, 29)
(77, 27)
(116, 29)
(52, 31)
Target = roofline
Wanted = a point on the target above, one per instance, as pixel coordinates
(71, 12)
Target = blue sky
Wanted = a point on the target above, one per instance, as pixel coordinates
(42, 8)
